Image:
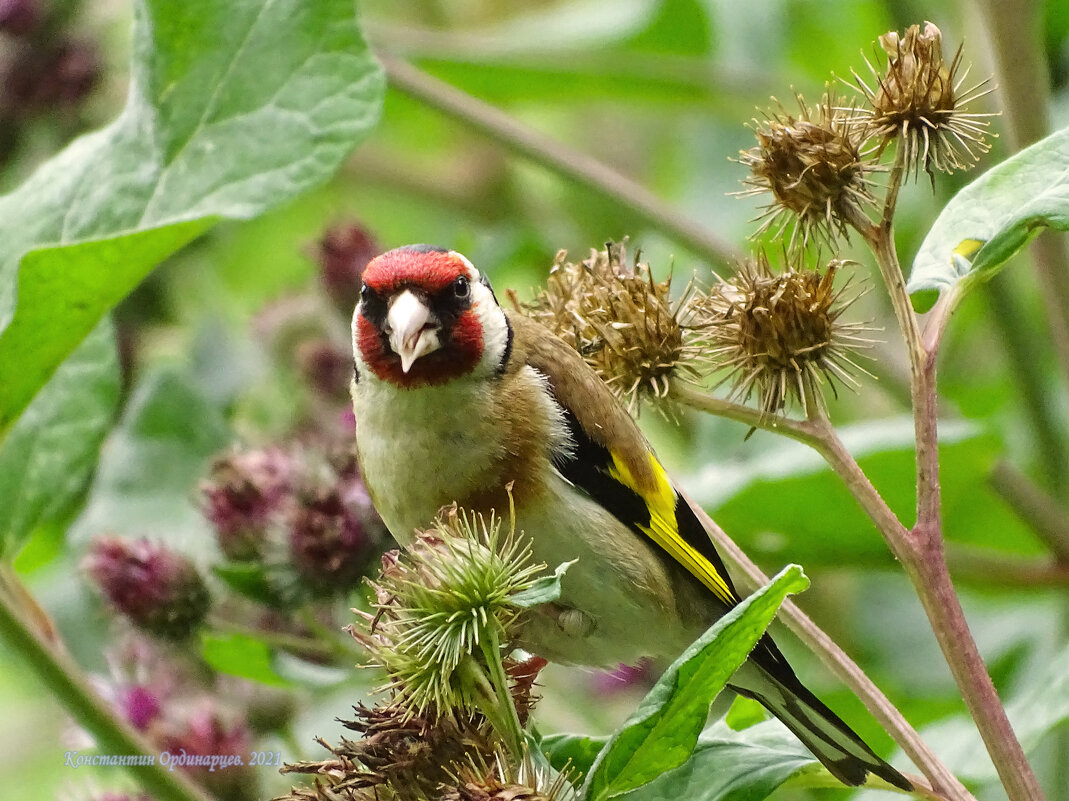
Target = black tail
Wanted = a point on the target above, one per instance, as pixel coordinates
(835, 744)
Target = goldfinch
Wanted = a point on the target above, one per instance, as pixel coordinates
(455, 399)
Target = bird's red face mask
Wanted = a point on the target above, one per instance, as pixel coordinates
(423, 317)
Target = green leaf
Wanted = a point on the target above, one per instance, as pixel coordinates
(47, 459)
(150, 466)
(235, 106)
(992, 218)
(733, 766)
(744, 713)
(542, 590)
(576, 752)
(240, 655)
(662, 732)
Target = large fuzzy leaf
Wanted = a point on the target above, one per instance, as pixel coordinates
(235, 106)
(992, 218)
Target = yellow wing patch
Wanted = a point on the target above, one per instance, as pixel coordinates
(664, 530)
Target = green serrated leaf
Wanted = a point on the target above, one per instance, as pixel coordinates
(241, 655)
(662, 732)
(733, 766)
(575, 752)
(992, 218)
(542, 590)
(235, 106)
(48, 457)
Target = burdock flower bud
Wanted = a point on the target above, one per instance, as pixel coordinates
(140, 705)
(342, 254)
(242, 493)
(332, 526)
(59, 76)
(19, 17)
(158, 589)
(268, 710)
(326, 367)
(441, 602)
(625, 324)
(780, 335)
(204, 735)
(815, 169)
(918, 97)
(328, 541)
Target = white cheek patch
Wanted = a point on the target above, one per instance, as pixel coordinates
(495, 327)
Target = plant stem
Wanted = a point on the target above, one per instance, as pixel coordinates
(509, 719)
(967, 666)
(880, 239)
(943, 781)
(921, 548)
(921, 552)
(66, 682)
(926, 565)
(690, 395)
(322, 648)
(552, 155)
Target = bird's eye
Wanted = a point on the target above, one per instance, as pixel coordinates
(364, 292)
(461, 287)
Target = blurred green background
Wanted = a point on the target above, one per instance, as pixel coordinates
(661, 91)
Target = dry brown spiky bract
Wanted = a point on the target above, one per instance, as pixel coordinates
(499, 781)
(779, 334)
(405, 758)
(625, 324)
(815, 168)
(918, 97)
(399, 756)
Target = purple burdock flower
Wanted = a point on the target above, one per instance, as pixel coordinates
(156, 588)
(328, 542)
(242, 493)
(139, 705)
(333, 528)
(343, 253)
(623, 677)
(206, 733)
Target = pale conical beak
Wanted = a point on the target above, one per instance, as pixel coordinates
(412, 331)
